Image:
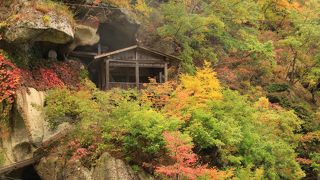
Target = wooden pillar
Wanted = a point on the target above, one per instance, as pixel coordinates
(160, 77)
(99, 48)
(137, 70)
(107, 74)
(165, 72)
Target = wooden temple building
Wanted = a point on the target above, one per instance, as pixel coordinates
(131, 67)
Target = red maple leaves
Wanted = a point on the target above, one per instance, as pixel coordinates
(9, 79)
(79, 152)
(50, 78)
(53, 75)
(185, 161)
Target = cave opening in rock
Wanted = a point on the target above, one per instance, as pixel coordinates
(25, 173)
(113, 36)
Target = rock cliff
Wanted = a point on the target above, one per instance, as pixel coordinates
(107, 168)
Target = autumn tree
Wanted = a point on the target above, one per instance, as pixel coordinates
(185, 162)
(194, 91)
(198, 30)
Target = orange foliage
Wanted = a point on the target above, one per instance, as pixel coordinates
(304, 161)
(312, 136)
(157, 94)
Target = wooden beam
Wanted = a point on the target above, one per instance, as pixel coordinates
(107, 74)
(141, 65)
(101, 75)
(149, 61)
(137, 70)
(115, 52)
(165, 72)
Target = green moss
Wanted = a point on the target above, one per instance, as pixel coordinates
(61, 9)
(2, 157)
(46, 19)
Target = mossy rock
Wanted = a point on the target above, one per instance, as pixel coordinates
(39, 22)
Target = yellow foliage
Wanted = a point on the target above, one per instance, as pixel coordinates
(46, 19)
(142, 7)
(204, 85)
(263, 102)
(193, 92)
(120, 3)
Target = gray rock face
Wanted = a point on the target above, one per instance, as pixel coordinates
(28, 129)
(29, 102)
(107, 168)
(16, 145)
(51, 168)
(31, 24)
(84, 35)
(112, 169)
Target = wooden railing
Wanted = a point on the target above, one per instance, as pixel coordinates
(127, 85)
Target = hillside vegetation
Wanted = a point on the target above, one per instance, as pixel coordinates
(245, 104)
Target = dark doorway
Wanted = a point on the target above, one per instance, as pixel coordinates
(25, 173)
(154, 73)
(122, 74)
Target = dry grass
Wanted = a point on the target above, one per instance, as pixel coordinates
(48, 6)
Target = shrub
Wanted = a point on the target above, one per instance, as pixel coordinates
(138, 129)
(186, 163)
(87, 105)
(85, 145)
(277, 88)
(9, 81)
(193, 92)
(240, 134)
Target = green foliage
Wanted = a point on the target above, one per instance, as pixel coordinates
(17, 58)
(277, 87)
(315, 157)
(259, 42)
(138, 129)
(256, 139)
(203, 30)
(245, 136)
(87, 105)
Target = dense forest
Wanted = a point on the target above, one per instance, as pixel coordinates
(243, 103)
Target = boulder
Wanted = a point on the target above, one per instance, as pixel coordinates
(84, 36)
(16, 145)
(111, 168)
(29, 104)
(53, 168)
(107, 168)
(33, 22)
(28, 128)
